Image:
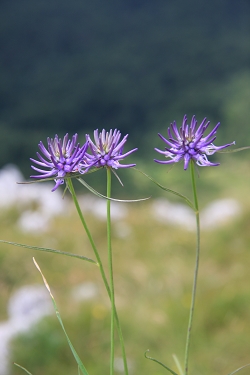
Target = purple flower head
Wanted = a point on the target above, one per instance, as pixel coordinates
(189, 143)
(63, 158)
(107, 151)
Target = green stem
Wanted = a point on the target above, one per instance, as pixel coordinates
(191, 313)
(111, 282)
(72, 191)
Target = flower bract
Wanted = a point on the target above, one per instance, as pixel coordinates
(190, 143)
(63, 157)
(106, 150)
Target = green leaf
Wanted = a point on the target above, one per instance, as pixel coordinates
(76, 356)
(48, 250)
(160, 363)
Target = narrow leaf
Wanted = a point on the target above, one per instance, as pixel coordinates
(103, 196)
(38, 180)
(168, 190)
(23, 368)
(48, 250)
(160, 363)
(228, 151)
(77, 358)
(71, 175)
(178, 365)
(116, 175)
(238, 369)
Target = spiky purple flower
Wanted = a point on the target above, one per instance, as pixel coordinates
(63, 158)
(106, 150)
(189, 143)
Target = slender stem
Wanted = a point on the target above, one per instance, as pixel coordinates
(72, 191)
(191, 313)
(111, 281)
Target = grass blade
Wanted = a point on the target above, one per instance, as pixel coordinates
(228, 151)
(178, 365)
(84, 183)
(238, 369)
(23, 368)
(168, 190)
(48, 250)
(160, 363)
(76, 356)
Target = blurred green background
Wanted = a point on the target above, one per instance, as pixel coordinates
(137, 66)
(74, 66)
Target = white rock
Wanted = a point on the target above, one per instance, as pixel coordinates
(9, 176)
(215, 215)
(85, 291)
(98, 207)
(173, 214)
(219, 213)
(26, 196)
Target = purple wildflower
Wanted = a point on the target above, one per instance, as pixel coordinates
(189, 143)
(63, 158)
(107, 150)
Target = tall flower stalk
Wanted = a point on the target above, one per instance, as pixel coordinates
(111, 276)
(190, 144)
(106, 152)
(197, 259)
(64, 158)
(114, 314)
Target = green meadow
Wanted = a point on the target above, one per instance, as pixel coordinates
(153, 274)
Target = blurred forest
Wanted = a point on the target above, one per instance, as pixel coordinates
(135, 65)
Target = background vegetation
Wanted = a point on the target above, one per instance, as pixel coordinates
(129, 64)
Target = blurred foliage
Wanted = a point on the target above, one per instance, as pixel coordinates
(134, 65)
(153, 266)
